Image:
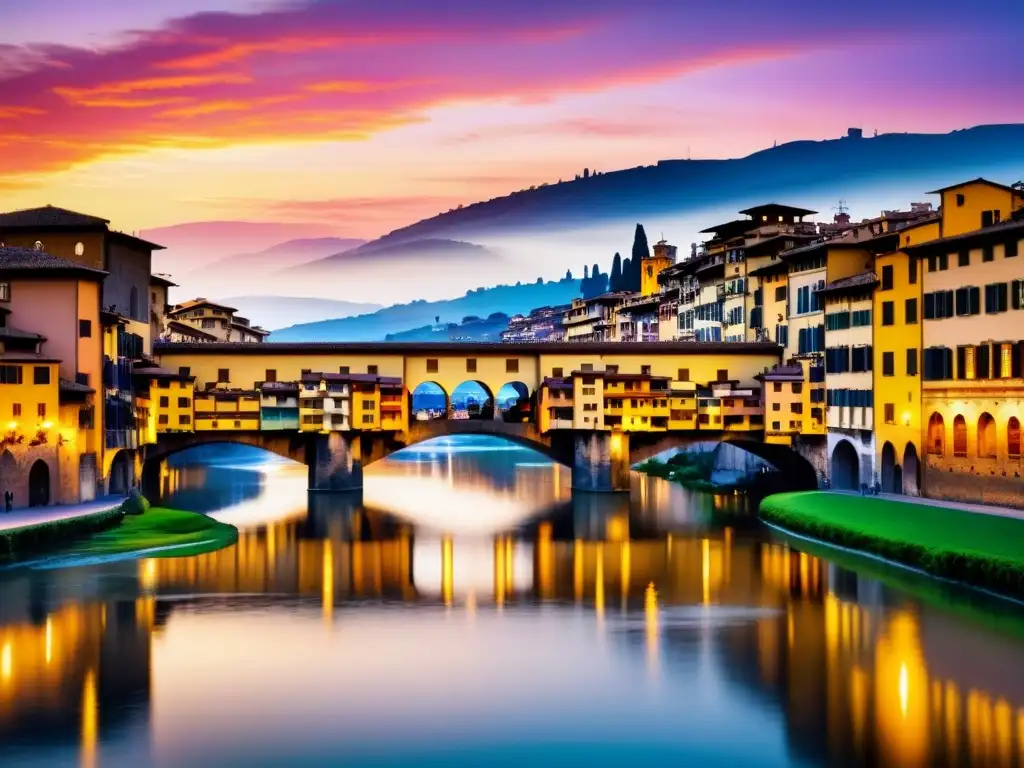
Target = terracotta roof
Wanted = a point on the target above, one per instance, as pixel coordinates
(852, 283)
(28, 260)
(161, 280)
(194, 303)
(73, 386)
(10, 332)
(189, 330)
(979, 180)
(49, 216)
(995, 233)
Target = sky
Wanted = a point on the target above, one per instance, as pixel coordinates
(366, 115)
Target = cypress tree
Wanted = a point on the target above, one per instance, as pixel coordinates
(640, 251)
(615, 282)
(627, 275)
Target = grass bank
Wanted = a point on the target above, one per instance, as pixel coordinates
(30, 539)
(982, 550)
(181, 533)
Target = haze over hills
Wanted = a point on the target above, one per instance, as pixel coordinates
(274, 312)
(402, 318)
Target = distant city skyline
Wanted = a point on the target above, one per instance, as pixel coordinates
(362, 117)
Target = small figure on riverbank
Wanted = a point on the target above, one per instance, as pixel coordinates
(8, 501)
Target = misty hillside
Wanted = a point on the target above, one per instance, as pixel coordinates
(273, 312)
(289, 254)
(472, 328)
(509, 299)
(676, 185)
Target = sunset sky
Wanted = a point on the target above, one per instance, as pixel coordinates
(366, 115)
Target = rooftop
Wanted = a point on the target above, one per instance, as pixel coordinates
(854, 283)
(73, 386)
(979, 180)
(49, 216)
(28, 261)
(196, 303)
(776, 210)
(161, 280)
(189, 330)
(788, 372)
(996, 233)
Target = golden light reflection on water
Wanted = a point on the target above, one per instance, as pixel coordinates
(869, 679)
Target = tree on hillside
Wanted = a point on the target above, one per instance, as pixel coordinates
(615, 281)
(641, 250)
(568, 274)
(627, 271)
(586, 273)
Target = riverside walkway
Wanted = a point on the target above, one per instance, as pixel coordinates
(22, 518)
(981, 509)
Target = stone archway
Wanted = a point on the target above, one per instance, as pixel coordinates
(122, 473)
(891, 474)
(911, 471)
(428, 401)
(473, 400)
(845, 467)
(8, 476)
(39, 484)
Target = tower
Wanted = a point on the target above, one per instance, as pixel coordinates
(664, 256)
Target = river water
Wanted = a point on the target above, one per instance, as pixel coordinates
(468, 610)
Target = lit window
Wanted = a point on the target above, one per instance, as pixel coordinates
(969, 363)
(79, 249)
(1006, 360)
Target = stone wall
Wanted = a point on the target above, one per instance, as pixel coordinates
(976, 481)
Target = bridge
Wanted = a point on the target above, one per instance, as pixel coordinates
(600, 454)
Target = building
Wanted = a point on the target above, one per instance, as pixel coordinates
(973, 352)
(49, 368)
(849, 376)
(159, 304)
(168, 396)
(227, 410)
(542, 324)
(896, 324)
(217, 320)
(637, 318)
(593, 319)
(653, 264)
(279, 405)
(89, 241)
(184, 333)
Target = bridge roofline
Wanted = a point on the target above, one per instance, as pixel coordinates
(462, 348)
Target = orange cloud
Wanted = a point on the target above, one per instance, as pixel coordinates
(152, 84)
(238, 51)
(7, 113)
(213, 107)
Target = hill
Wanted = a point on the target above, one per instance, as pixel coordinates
(803, 170)
(471, 328)
(399, 319)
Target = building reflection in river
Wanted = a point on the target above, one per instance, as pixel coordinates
(858, 674)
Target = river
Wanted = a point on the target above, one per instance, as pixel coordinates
(470, 610)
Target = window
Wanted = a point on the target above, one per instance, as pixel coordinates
(987, 219)
(933, 263)
(557, 373)
(5, 291)
(996, 298)
(912, 270)
(968, 301)
(645, 370)
(723, 374)
(371, 370)
(936, 444)
(890, 413)
(796, 407)
(165, 402)
(511, 366)
(184, 371)
(888, 313)
(431, 365)
(986, 437)
(683, 374)
(16, 409)
(162, 419)
(912, 362)
(342, 369)
(960, 436)
(1013, 438)
(860, 359)
(888, 363)
(861, 318)
(988, 253)
(10, 374)
(776, 406)
(887, 277)
(41, 410)
(367, 418)
(471, 365)
(209, 323)
(163, 384)
(184, 419)
(780, 293)
(1005, 361)
(963, 259)
(85, 329)
(943, 262)
(1009, 250)
(960, 200)
(369, 405)
(41, 374)
(184, 402)
(270, 375)
(798, 387)
(133, 303)
(910, 311)
(938, 364)
(777, 386)
(223, 375)
(587, 367)
(966, 363)
(938, 305)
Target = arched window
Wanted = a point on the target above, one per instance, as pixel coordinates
(986, 437)
(936, 435)
(133, 303)
(1013, 438)
(960, 436)
(79, 249)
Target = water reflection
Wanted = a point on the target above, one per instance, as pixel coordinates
(655, 626)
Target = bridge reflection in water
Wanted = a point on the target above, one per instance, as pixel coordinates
(850, 672)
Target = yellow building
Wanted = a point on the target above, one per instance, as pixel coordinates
(593, 319)
(897, 363)
(635, 402)
(651, 266)
(976, 204)
(794, 400)
(159, 304)
(973, 358)
(227, 410)
(555, 404)
(170, 395)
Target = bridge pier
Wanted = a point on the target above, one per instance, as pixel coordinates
(601, 462)
(335, 462)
